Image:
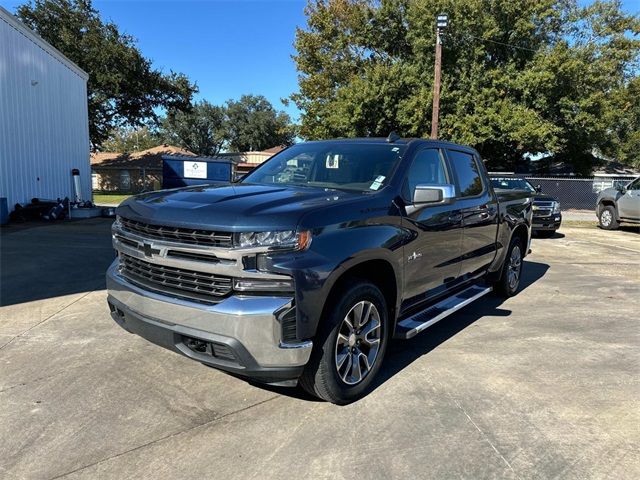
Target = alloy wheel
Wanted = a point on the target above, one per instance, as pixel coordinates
(358, 342)
(515, 264)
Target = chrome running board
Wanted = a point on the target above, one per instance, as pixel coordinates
(410, 327)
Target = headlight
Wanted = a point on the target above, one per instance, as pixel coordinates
(262, 285)
(556, 207)
(282, 238)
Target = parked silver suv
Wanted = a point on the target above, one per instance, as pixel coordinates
(619, 204)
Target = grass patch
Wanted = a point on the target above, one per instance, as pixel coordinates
(109, 198)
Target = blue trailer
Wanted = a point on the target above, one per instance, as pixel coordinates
(181, 171)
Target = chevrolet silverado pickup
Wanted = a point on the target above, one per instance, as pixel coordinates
(303, 270)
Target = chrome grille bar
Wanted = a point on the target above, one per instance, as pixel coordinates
(177, 234)
(179, 282)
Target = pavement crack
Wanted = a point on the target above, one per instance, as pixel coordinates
(42, 321)
(171, 435)
(485, 437)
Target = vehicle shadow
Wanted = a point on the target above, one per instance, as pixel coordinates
(402, 353)
(555, 235)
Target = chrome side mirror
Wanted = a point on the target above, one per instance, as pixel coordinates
(428, 193)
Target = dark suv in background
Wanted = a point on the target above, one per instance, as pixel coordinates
(547, 216)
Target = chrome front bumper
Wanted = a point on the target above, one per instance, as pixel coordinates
(249, 326)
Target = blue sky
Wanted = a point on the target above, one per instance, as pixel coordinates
(228, 47)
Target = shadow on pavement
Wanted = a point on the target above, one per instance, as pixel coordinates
(39, 260)
(402, 353)
(546, 235)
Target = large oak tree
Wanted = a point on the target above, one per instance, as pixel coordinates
(527, 76)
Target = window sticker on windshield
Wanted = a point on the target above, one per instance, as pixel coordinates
(377, 182)
(333, 161)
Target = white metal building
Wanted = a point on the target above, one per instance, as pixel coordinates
(44, 127)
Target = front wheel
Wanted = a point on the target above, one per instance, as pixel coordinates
(349, 347)
(509, 280)
(607, 218)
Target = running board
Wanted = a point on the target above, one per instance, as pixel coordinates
(410, 327)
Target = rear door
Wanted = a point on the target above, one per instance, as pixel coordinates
(479, 209)
(629, 203)
(431, 258)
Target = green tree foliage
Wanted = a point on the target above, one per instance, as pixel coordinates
(528, 76)
(127, 140)
(123, 87)
(201, 130)
(252, 124)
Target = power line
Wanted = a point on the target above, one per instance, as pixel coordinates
(501, 43)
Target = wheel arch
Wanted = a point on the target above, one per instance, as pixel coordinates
(378, 271)
(607, 202)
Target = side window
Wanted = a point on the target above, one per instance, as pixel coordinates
(635, 185)
(428, 167)
(468, 173)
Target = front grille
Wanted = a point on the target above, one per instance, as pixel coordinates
(180, 235)
(177, 282)
(542, 209)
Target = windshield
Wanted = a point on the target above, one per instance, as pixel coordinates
(348, 166)
(512, 183)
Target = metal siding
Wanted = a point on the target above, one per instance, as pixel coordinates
(44, 131)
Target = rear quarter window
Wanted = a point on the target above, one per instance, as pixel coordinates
(467, 173)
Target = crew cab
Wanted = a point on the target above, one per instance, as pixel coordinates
(547, 215)
(620, 204)
(303, 270)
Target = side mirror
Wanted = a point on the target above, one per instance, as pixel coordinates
(427, 193)
(538, 188)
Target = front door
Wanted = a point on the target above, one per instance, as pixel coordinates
(431, 258)
(479, 210)
(629, 202)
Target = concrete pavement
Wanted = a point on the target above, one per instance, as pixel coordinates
(543, 385)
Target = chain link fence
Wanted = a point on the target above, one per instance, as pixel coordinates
(577, 193)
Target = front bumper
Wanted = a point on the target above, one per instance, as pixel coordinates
(240, 335)
(551, 222)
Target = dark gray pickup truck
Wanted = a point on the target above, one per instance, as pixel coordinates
(616, 205)
(303, 270)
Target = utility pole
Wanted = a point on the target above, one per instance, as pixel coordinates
(442, 21)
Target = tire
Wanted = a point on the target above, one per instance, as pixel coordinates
(607, 218)
(508, 285)
(331, 373)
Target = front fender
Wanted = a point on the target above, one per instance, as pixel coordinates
(333, 252)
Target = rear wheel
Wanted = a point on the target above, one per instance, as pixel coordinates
(607, 218)
(350, 346)
(509, 281)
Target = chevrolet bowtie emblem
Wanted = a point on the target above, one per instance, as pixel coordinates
(149, 250)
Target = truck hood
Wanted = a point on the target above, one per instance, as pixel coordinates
(543, 197)
(235, 207)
